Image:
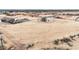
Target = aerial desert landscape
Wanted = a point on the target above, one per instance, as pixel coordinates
(39, 30)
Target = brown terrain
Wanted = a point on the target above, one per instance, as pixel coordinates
(58, 32)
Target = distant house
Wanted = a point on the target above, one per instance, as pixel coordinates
(7, 20)
(47, 18)
(13, 20)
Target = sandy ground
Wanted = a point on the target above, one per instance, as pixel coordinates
(39, 35)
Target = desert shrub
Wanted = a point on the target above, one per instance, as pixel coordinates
(66, 40)
(72, 37)
(29, 46)
(1, 43)
(56, 42)
(69, 44)
(55, 48)
(78, 35)
(46, 48)
(60, 48)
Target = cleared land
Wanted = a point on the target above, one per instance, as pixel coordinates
(32, 35)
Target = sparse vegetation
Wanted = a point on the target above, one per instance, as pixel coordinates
(1, 43)
(29, 46)
(60, 48)
(56, 48)
(56, 42)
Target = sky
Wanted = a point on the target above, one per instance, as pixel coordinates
(39, 4)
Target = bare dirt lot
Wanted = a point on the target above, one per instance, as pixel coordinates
(61, 34)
